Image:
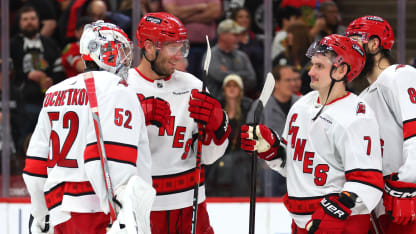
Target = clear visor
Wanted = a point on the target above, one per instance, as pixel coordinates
(173, 48)
(317, 48)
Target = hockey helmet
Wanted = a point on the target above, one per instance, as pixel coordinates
(344, 49)
(161, 28)
(368, 26)
(108, 46)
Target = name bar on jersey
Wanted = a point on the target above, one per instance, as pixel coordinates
(68, 97)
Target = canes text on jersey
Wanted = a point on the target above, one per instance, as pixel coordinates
(66, 97)
(307, 157)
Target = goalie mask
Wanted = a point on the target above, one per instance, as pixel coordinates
(340, 49)
(108, 46)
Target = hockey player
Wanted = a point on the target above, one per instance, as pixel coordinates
(63, 172)
(392, 96)
(163, 40)
(329, 146)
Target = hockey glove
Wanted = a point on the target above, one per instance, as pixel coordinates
(39, 226)
(331, 216)
(207, 111)
(156, 111)
(264, 140)
(399, 199)
(136, 199)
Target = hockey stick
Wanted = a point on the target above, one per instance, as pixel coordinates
(201, 134)
(375, 223)
(92, 98)
(264, 97)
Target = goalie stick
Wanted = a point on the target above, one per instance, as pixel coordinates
(264, 97)
(201, 134)
(92, 98)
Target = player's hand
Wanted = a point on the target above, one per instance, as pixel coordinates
(40, 226)
(207, 111)
(331, 216)
(399, 199)
(156, 111)
(264, 140)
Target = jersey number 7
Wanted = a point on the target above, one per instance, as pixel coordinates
(70, 121)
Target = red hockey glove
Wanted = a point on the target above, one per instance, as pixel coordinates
(331, 216)
(264, 140)
(207, 111)
(399, 199)
(156, 111)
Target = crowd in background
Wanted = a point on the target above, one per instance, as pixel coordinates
(44, 50)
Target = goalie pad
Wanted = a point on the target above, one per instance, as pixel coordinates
(136, 200)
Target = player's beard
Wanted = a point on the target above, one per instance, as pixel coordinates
(368, 67)
(160, 61)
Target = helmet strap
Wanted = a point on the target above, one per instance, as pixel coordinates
(153, 64)
(333, 81)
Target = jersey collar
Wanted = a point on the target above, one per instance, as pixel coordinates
(335, 100)
(148, 79)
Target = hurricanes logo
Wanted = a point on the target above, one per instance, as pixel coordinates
(360, 108)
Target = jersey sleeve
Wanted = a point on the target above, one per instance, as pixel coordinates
(35, 171)
(402, 99)
(121, 125)
(359, 147)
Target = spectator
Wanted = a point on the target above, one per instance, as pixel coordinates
(98, 10)
(228, 60)
(328, 21)
(37, 62)
(198, 16)
(248, 42)
(230, 175)
(286, 16)
(298, 82)
(298, 42)
(275, 113)
(71, 57)
(47, 16)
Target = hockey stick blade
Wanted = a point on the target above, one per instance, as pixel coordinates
(206, 63)
(267, 89)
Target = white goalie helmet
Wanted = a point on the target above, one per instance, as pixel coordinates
(108, 46)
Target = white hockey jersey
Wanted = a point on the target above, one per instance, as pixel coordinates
(173, 154)
(63, 171)
(393, 98)
(339, 151)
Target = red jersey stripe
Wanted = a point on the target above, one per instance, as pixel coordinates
(35, 166)
(409, 128)
(115, 152)
(370, 177)
(177, 182)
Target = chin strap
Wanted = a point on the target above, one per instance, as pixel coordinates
(153, 64)
(333, 81)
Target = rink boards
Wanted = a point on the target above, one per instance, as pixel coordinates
(227, 215)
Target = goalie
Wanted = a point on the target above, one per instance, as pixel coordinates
(63, 171)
